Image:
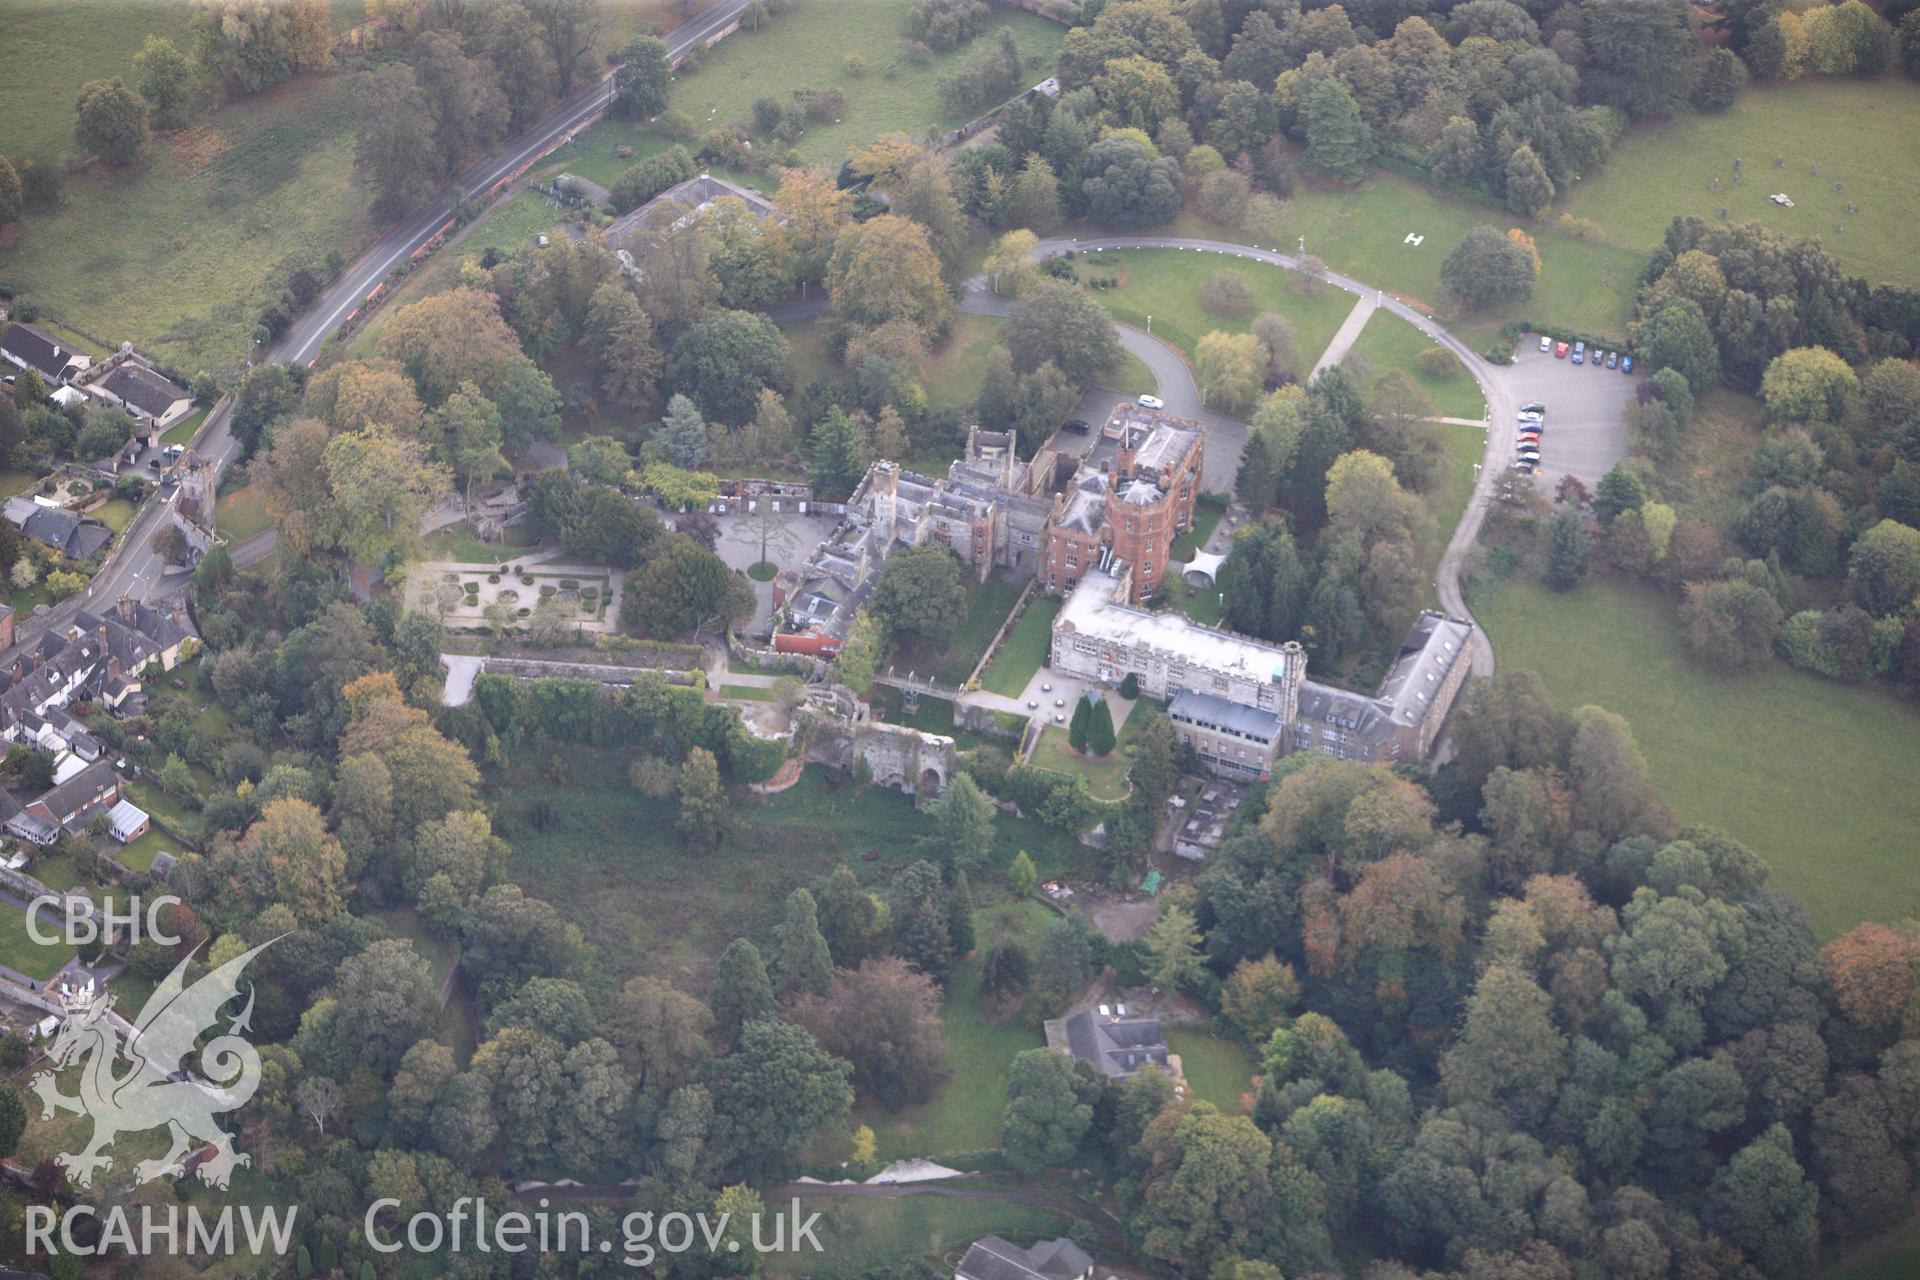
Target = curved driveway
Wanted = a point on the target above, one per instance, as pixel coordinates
(1178, 390)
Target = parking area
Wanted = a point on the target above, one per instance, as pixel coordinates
(1586, 429)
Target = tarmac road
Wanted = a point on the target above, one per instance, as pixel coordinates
(301, 343)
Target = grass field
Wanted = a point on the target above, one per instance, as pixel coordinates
(52, 49)
(1389, 342)
(1362, 233)
(964, 1114)
(1026, 648)
(1218, 1071)
(175, 252)
(1842, 125)
(610, 857)
(860, 1234)
(806, 49)
(1814, 775)
(747, 693)
(1167, 285)
(241, 513)
(21, 953)
(1206, 518)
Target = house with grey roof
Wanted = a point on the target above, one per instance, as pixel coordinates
(992, 1258)
(27, 346)
(1112, 1041)
(73, 536)
(155, 401)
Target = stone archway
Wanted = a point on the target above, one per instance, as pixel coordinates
(931, 783)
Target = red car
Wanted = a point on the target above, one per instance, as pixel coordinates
(1560, 351)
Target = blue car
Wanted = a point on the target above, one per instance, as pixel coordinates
(1579, 357)
(1626, 364)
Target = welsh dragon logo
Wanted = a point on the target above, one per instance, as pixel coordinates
(141, 1083)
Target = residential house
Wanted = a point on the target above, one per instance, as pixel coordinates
(154, 401)
(30, 347)
(72, 535)
(992, 1258)
(99, 657)
(1113, 1042)
(70, 805)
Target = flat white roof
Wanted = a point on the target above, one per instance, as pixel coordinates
(1090, 611)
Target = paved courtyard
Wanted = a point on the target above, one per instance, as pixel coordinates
(1587, 431)
(790, 539)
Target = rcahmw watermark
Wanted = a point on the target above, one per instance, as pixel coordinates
(160, 1230)
(470, 1226)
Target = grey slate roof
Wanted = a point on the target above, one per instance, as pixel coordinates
(992, 1258)
(39, 350)
(1117, 1046)
(1210, 711)
(144, 389)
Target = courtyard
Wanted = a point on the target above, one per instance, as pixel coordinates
(511, 596)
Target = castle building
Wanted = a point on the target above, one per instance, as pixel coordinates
(1243, 703)
(1058, 516)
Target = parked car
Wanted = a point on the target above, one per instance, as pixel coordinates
(1152, 402)
(1560, 351)
(1546, 343)
(1532, 429)
(1626, 364)
(1078, 427)
(1579, 356)
(1580, 348)
(1613, 359)
(1534, 407)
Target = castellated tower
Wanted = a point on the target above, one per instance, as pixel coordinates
(886, 502)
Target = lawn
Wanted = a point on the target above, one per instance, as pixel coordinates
(1106, 775)
(1206, 518)
(1362, 233)
(1217, 1070)
(954, 374)
(965, 1112)
(806, 49)
(808, 338)
(21, 953)
(1164, 286)
(115, 513)
(591, 155)
(176, 252)
(138, 855)
(1026, 648)
(164, 809)
(858, 1234)
(182, 431)
(1388, 342)
(241, 513)
(1202, 604)
(1815, 776)
(988, 604)
(512, 223)
(457, 543)
(747, 693)
(609, 856)
(1842, 125)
